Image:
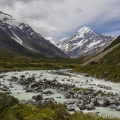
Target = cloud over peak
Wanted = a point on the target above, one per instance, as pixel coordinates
(56, 18)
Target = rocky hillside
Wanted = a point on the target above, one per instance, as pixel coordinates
(114, 43)
(84, 42)
(24, 36)
(105, 65)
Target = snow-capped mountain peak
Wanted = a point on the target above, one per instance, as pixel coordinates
(13, 27)
(4, 15)
(63, 39)
(8, 19)
(81, 33)
(84, 42)
(25, 37)
(84, 30)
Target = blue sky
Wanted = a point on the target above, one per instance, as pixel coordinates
(62, 18)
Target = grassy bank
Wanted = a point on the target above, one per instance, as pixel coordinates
(110, 64)
(13, 110)
(107, 67)
(26, 63)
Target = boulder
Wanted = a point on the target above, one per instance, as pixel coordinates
(82, 106)
(8, 92)
(4, 89)
(70, 102)
(30, 102)
(94, 101)
(67, 95)
(118, 108)
(47, 92)
(104, 102)
(35, 88)
(90, 106)
(29, 90)
(116, 102)
(37, 97)
(22, 76)
(86, 75)
(22, 101)
(113, 106)
(34, 84)
(71, 109)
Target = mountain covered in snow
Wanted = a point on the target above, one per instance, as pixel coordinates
(84, 42)
(22, 35)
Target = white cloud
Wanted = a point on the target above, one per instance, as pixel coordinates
(57, 17)
(51, 40)
(115, 33)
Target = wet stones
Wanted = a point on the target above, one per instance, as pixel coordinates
(118, 108)
(5, 88)
(23, 101)
(35, 89)
(71, 109)
(86, 75)
(105, 87)
(48, 100)
(116, 102)
(67, 95)
(94, 101)
(82, 98)
(90, 106)
(22, 76)
(70, 102)
(38, 97)
(113, 106)
(82, 106)
(23, 82)
(34, 84)
(48, 92)
(104, 102)
(30, 102)
(1, 76)
(29, 90)
(13, 79)
(11, 86)
(8, 92)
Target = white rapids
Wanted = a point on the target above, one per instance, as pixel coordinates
(73, 78)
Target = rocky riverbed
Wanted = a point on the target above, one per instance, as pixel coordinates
(77, 91)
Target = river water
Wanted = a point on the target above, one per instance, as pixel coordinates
(69, 78)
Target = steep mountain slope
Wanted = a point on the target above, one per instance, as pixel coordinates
(114, 43)
(11, 48)
(108, 49)
(27, 38)
(105, 65)
(84, 42)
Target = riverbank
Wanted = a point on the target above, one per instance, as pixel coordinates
(77, 91)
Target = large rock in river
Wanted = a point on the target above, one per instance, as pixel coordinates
(34, 84)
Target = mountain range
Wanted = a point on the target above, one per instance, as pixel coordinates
(22, 39)
(104, 65)
(84, 42)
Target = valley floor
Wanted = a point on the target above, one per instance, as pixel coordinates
(107, 68)
(16, 84)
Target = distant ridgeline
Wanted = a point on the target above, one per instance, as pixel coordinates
(21, 39)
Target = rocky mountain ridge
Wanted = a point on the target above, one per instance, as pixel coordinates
(25, 36)
(84, 42)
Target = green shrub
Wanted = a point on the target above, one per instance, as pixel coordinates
(7, 101)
